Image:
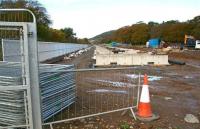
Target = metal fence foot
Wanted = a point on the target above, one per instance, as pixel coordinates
(51, 126)
(133, 113)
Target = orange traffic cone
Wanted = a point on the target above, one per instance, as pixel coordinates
(144, 108)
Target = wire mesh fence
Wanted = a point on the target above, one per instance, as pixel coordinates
(69, 94)
(56, 89)
(12, 106)
(12, 102)
(15, 97)
(13, 33)
(99, 91)
(9, 29)
(66, 93)
(106, 90)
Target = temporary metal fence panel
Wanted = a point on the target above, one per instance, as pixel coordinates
(68, 94)
(56, 89)
(98, 91)
(101, 91)
(23, 99)
(46, 50)
(53, 86)
(56, 93)
(13, 101)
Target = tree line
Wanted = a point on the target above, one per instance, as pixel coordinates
(44, 31)
(171, 31)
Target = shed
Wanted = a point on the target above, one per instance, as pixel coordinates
(154, 43)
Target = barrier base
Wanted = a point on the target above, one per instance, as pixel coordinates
(148, 119)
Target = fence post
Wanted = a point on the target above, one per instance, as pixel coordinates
(2, 48)
(34, 76)
(138, 93)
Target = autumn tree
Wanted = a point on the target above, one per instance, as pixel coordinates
(123, 35)
(152, 23)
(169, 31)
(43, 20)
(44, 31)
(135, 34)
(195, 22)
(83, 41)
(69, 34)
(140, 33)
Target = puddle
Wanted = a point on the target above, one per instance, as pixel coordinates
(154, 78)
(109, 91)
(150, 78)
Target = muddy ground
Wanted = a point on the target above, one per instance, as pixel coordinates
(176, 94)
(191, 57)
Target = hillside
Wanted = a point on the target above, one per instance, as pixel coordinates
(171, 31)
(103, 36)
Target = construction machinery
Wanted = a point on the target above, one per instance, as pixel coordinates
(189, 41)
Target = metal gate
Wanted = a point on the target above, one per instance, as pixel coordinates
(19, 83)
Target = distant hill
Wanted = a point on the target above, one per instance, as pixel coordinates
(172, 31)
(101, 38)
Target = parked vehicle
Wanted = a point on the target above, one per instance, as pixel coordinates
(189, 41)
(197, 44)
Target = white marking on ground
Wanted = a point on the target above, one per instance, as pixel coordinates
(188, 77)
(117, 84)
(109, 91)
(150, 78)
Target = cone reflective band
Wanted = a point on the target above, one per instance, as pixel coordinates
(144, 108)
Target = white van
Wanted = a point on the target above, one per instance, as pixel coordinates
(197, 46)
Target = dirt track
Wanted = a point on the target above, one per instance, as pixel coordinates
(180, 83)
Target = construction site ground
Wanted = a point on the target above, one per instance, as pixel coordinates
(172, 97)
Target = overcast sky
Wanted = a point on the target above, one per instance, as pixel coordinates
(91, 17)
